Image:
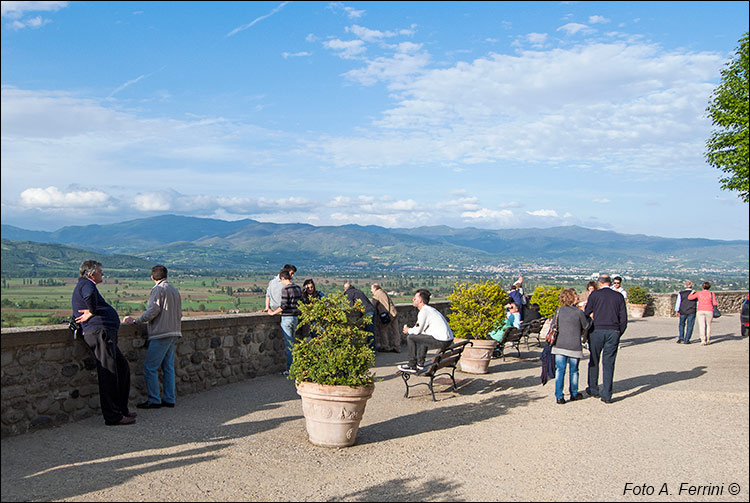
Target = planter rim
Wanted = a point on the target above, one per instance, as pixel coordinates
(334, 390)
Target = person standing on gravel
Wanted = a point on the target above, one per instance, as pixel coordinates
(100, 324)
(607, 307)
(164, 324)
(686, 309)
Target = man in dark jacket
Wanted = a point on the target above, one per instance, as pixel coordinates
(610, 317)
(687, 309)
(354, 294)
(100, 324)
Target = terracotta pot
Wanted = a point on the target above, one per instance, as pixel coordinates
(332, 413)
(476, 358)
(637, 310)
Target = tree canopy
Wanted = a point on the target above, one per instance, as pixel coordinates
(727, 148)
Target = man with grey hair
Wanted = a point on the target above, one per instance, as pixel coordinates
(687, 310)
(607, 308)
(100, 324)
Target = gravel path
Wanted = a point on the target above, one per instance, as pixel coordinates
(680, 419)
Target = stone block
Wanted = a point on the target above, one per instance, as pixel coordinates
(13, 416)
(41, 422)
(55, 354)
(28, 357)
(69, 370)
(46, 370)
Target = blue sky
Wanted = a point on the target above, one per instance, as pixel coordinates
(399, 114)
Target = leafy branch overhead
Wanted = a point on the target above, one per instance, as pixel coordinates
(727, 148)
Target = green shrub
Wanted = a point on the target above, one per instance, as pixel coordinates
(548, 298)
(476, 310)
(339, 354)
(638, 295)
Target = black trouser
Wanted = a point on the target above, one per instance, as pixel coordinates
(603, 346)
(417, 346)
(113, 372)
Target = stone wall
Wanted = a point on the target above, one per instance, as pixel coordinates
(663, 303)
(48, 378)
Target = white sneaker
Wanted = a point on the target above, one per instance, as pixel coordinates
(404, 367)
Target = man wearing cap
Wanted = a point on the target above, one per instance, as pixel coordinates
(610, 317)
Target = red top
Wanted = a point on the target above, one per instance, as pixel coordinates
(706, 300)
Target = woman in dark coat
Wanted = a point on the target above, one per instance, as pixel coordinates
(571, 326)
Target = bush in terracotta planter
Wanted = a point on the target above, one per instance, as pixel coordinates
(475, 311)
(638, 299)
(332, 370)
(638, 295)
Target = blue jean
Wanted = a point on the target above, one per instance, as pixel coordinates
(160, 353)
(289, 327)
(561, 361)
(687, 321)
(603, 345)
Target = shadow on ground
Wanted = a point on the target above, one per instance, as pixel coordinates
(402, 489)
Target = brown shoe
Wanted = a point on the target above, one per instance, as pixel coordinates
(125, 420)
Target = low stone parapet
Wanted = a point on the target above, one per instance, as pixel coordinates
(49, 378)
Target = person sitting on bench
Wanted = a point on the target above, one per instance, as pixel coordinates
(512, 320)
(430, 332)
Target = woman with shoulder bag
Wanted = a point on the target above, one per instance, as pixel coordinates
(704, 314)
(572, 324)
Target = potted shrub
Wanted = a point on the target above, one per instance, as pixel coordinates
(475, 311)
(548, 298)
(638, 299)
(332, 370)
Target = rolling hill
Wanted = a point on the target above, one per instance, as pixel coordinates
(202, 243)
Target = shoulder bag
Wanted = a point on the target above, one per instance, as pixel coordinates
(717, 313)
(551, 337)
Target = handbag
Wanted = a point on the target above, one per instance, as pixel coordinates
(551, 336)
(74, 327)
(385, 317)
(717, 313)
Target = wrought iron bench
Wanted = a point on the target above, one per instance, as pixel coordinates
(444, 359)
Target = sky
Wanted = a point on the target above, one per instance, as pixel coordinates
(399, 114)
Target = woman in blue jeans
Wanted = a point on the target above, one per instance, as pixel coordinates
(572, 325)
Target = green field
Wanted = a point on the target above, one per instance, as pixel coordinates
(26, 302)
(46, 301)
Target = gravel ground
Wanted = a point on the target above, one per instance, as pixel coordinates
(679, 421)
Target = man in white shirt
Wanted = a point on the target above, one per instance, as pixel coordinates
(430, 332)
(617, 287)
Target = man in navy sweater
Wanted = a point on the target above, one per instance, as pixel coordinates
(610, 315)
(100, 324)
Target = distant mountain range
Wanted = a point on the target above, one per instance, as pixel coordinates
(201, 243)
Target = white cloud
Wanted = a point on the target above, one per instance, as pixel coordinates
(618, 106)
(499, 216)
(301, 54)
(602, 200)
(536, 39)
(351, 12)
(15, 10)
(543, 213)
(598, 20)
(53, 198)
(346, 49)
(573, 28)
